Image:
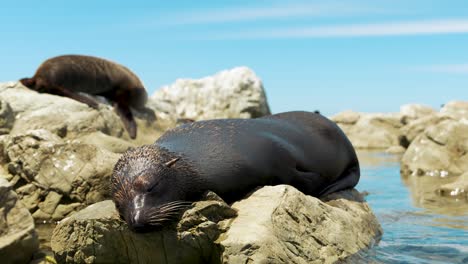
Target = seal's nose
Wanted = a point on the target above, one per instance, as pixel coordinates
(138, 227)
(136, 222)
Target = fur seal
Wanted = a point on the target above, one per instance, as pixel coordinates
(68, 75)
(231, 157)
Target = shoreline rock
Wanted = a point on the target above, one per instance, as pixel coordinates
(211, 232)
(234, 93)
(18, 238)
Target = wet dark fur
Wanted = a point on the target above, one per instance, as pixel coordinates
(70, 74)
(232, 157)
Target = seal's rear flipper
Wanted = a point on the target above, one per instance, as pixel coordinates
(127, 119)
(28, 82)
(347, 180)
(307, 182)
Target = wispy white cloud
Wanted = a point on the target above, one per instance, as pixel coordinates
(398, 28)
(443, 68)
(280, 10)
(271, 12)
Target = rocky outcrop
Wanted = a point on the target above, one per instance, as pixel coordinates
(439, 147)
(392, 131)
(370, 131)
(28, 110)
(276, 224)
(457, 110)
(53, 177)
(439, 151)
(235, 93)
(18, 239)
(410, 112)
(97, 235)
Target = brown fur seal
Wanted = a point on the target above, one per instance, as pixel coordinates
(231, 157)
(70, 74)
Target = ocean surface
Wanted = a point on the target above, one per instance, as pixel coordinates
(419, 226)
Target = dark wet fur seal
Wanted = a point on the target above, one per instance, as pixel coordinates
(231, 157)
(70, 74)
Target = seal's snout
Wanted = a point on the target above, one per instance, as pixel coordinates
(136, 223)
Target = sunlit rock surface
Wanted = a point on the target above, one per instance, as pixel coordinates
(410, 112)
(370, 131)
(18, 239)
(97, 235)
(234, 93)
(457, 110)
(279, 224)
(276, 224)
(53, 176)
(439, 151)
(68, 118)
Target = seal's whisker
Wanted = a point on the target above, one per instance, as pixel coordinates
(174, 208)
(159, 221)
(154, 217)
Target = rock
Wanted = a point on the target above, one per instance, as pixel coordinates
(346, 117)
(456, 109)
(76, 171)
(41, 215)
(103, 141)
(7, 117)
(30, 196)
(235, 93)
(18, 239)
(64, 209)
(411, 112)
(50, 202)
(395, 150)
(278, 224)
(68, 118)
(415, 127)
(458, 188)
(97, 235)
(439, 151)
(370, 131)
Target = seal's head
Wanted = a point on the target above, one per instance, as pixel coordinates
(148, 189)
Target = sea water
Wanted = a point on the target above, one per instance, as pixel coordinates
(419, 226)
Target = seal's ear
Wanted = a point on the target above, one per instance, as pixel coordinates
(171, 162)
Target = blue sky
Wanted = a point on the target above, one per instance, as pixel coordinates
(370, 56)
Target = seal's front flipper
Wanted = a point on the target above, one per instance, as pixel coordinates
(347, 180)
(127, 119)
(73, 95)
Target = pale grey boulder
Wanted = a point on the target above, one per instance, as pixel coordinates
(235, 93)
(370, 131)
(97, 235)
(18, 238)
(279, 224)
(347, 117)
(276, 224)
(47, 168)
(457, 110)
(7, 117)
(411, 112)
(439, 151)
(69, 118)
(416, 126)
